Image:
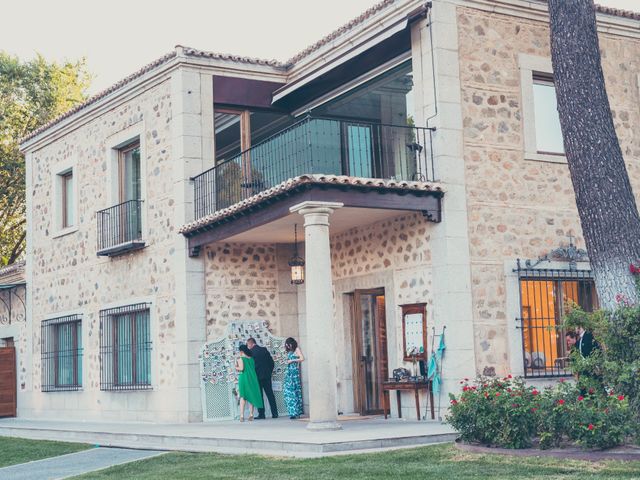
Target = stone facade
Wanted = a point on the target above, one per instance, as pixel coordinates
(499, 205)
(67, 276)
(521, 208)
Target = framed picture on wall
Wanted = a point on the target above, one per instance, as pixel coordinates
(414, 331)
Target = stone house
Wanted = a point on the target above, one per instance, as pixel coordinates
(415, 150)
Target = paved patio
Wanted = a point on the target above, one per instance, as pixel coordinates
(282, 437)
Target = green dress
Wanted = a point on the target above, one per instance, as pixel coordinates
(248, 386)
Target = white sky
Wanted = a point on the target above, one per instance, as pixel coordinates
(119, 36)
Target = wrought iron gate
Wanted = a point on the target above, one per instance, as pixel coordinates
(219, 378)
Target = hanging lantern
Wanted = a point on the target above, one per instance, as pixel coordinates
(296, 262)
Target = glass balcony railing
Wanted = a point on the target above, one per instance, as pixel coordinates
(317, 146)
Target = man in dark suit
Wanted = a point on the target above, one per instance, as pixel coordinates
(586, 344)
(264, 370)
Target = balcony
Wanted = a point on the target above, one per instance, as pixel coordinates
(120, 228)
(315, 145)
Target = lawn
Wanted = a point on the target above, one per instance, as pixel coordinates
(19, 450)
(437, 461)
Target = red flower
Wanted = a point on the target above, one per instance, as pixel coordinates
(611, 394)
(509, 376)
(580, 398)
(534, 410)
(497, 394)
(591, 427)
(620, 397)
(454, 402)
(561, 402)
(534, 392)
(508, 389)
(465, 388)
(466, 379)
(591, 390)
(635, 270)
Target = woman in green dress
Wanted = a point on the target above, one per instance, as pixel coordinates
(248, 386)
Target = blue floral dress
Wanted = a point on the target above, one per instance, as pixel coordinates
(293, 387)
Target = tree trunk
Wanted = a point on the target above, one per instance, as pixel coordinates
(606, 205)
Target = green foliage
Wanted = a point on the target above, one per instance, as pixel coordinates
(617, 366)
(507, 413)
(31, 94)
(21, 450)
(495, 412)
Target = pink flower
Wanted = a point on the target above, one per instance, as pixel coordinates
(534, 410)
(620, 397)
(515, 405)
(497, 394)
(454, 402)
(580, 398)
(591, 427)
(534, 392)
(591, 390)
(509, 376)
(466, 379)
(561, 402)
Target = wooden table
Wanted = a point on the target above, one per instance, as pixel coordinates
(410, 385)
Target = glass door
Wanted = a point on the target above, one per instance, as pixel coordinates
(370, 350)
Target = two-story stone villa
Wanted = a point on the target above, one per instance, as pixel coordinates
(417, 152)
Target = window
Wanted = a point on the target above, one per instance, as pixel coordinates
(544, 296)
(67, 199)
(125, 348)
(129, 173)
(548, 132)
(61, 349)
(542, 136)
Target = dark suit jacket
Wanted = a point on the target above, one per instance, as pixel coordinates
(263, 361)
(587, 344)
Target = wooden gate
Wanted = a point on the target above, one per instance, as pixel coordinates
(7, 382)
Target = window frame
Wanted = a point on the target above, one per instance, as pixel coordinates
(65, 178)
(559, 277)
(110, 348)
(50, 335)
(532, 67)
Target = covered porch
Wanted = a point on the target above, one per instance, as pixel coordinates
(367, 257)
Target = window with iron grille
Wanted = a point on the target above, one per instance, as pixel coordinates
(125, 348)
(544, 297)
(61, 348)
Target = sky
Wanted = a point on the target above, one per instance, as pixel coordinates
(117, 37)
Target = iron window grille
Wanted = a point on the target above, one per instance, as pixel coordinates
(61, 349)
(544, 295)
(125, 348)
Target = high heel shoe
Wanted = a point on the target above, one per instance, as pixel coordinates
(251, 418)
(241, 419)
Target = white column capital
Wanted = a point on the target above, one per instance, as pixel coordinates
(311, 207)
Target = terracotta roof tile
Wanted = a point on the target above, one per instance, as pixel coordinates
(292, 183)
(102, 94)
(340, 31)
(233, 58)
(13, 273)
(617, 12)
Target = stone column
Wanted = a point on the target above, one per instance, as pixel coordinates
(320, 347)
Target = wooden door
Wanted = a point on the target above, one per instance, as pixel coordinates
(370, 360)
(8, 382)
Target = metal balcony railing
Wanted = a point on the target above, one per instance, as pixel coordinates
(317, 146)
(120, 228)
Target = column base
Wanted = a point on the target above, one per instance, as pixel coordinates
(324, 426)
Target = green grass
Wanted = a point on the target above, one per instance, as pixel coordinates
(19, 450)
(437, 461)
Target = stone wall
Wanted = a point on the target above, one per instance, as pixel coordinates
(521, 208)
(68, 276)
(241, 283)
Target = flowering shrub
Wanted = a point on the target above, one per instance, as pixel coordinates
(496, 412)
(507, 413)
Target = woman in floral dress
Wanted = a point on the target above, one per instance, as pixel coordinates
(292, 385)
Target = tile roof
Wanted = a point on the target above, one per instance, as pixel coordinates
(618, 12)
(13, 273)
(292, 183)
(256, 61)
(340, 31)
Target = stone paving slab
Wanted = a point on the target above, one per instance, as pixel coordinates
(281, 437)
(72, 464)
